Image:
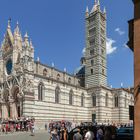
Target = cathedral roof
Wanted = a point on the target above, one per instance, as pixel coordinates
(80, 71)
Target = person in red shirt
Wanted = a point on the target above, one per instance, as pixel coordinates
(7, 128)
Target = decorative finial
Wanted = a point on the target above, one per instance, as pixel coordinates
(95, 2)
(53, 64)
(65, 70)
(9, 22)
(26, 35)
(87, 11)
(98, 3)
(121, 85)
(31, 44)
(104, 10)
(26, 40)
(17, 23)
(94, 8)
(17, 31)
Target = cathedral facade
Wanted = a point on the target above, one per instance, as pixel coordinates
(30, 88)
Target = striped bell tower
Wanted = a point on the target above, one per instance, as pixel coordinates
(95, 52)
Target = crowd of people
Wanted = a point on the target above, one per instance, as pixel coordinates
(17, 125)
(60, 131)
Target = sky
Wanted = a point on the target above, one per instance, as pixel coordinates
(57, 30)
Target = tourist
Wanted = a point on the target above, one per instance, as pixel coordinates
(6, 128)
(77, 136)
(100, 135)
(65, 135)
(89, 135)
(108, 133)
(46, 126)
(32, 128)
(54, 135)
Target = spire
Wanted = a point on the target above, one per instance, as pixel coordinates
(9, 23)
(94, 8)
(9, 34)
(26, 36)
(104, 10)
(17, 31)
(98, 2)
(26, 41)
(95, 2)
(31, 44)
(87, 12)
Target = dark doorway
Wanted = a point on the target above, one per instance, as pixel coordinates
(8, 109)
(93, 118)
(18, 110)
(131, 112)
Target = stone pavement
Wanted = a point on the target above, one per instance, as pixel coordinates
(39, 135)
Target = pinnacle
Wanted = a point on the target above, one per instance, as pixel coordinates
(26, 35)
(17, 31)
(9, 23)
(104, 10)
(87, 10)
(98, 2)
(95, 2)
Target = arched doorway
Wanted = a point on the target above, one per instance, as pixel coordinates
(17, 102)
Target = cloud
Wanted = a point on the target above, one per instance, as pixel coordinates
(119, 31)
(109, 46)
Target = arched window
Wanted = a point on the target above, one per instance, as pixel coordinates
(45, 72)
(40, 91)
(94, 100)
(69, 80)
(57, 94)
(58, 76)
(106, 100)
(71, 97)
(82, 99)
(92, 62)
(116, 101)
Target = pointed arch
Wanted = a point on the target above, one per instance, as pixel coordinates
(58, 76)
(69, 80)
(82, 99)
(71, 97)
(94, 100)
(116, 101)
(57, 94)
(106, 100)
(15, 92)
(45, 72)
(41, 91)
